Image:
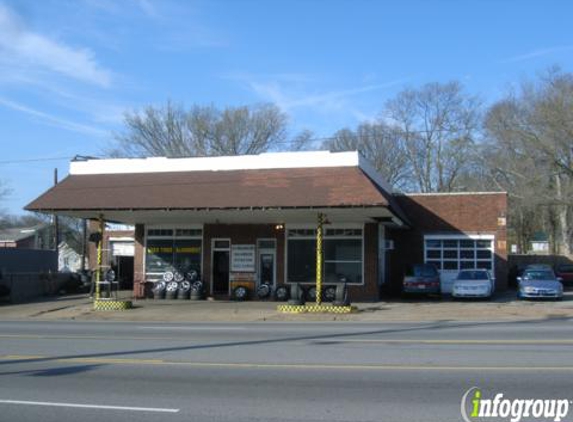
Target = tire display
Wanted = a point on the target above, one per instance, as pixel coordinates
(184, 290)
(264, 291)
(158, 290)
(329, 294)
(178, 276)
(241, 293)
(171, 290)
(311, 294)
(168, 276)
(281, 294)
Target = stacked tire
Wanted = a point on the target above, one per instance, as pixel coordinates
(184, 290)
(196, 291)
(171, 290)
(158, 290)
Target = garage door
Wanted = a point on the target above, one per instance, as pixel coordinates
(450, 254)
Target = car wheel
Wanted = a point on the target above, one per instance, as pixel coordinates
(240, 293)
(168, 276)
(281, 294)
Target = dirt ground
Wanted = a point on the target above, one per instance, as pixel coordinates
(503, 307)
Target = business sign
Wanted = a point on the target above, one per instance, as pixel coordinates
(243, 258)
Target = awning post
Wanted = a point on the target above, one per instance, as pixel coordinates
(319, 259)
(101, 229)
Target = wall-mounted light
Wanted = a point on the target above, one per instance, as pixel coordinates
(279, 227)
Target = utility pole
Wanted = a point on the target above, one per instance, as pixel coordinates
(56, 225)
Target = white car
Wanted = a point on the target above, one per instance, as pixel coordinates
(473, 283)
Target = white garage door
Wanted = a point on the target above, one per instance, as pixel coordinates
(451, 253)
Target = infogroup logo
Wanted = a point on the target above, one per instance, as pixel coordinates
(475, 407)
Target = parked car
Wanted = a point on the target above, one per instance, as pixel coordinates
(565, 273)
(421, 279)
(539, 283)
(473, 283)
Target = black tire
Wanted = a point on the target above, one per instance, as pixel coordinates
(178, 276)
(110, 275)
(311, 294)
(185, 286)
(171, 290)
(168, 276)
(281, 294)
(183, 294)
(264, 291)
(195, 295)
(191, 276)
(158, 290)
(240, 293)
(329, 294)
(197, 286)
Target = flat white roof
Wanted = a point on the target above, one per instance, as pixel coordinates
(273, 160)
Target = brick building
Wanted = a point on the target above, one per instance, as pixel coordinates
(255, 217)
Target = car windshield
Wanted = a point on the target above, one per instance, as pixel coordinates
(421, 271)
(472, 275)
(539, 275)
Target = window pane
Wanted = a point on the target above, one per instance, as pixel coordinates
(302, 233)
(433, 243)
(336, 272)
(159, 255)
(188, 232)
(222, 244)
(160, 232)
(450, 265)
(468, 244)
(301, 266)
(467, 264)
(433, 254)
(467, 254)
(343, 232)
(266, 244)
(437, 264)
(450, 254)
(450, 243)
(188, 255)
(481, 254)
(343, 250)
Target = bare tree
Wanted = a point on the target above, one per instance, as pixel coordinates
(381, 144)
(173, 131)
(531, 137)
(438, 125)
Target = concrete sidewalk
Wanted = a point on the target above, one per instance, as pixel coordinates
(79, 307)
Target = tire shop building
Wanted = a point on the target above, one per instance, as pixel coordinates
(253, 219)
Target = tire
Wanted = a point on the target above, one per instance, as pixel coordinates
(168, 276)
(195, 295)
(311, 294)
(178, 276)
(192, 276)
(158, 290)
(171, 290)
(184, 290)
(110, 275)
(329, 294)
(281, 294)
(264, 291)
(197, 286)
(240, 293)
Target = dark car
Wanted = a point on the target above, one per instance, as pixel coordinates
(565, 273)
(421, 279)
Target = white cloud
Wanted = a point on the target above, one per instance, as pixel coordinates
(537, 53)
(24, 49)
(277, 93)
(53, 120)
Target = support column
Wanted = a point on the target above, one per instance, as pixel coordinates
(101, 228)
(319, 259)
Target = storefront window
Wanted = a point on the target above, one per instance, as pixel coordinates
(166, 252)
(342, 249)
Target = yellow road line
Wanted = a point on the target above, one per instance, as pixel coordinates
(247, 365)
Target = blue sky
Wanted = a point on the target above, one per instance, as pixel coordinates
(70, 69)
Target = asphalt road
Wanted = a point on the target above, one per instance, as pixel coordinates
(94, 371)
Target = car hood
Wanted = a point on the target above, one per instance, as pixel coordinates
(471, 283)
(541, 284)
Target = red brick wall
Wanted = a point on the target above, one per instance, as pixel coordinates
(449, 214)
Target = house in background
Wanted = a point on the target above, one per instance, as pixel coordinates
(539, 244)
(36, 237)
(69, 258)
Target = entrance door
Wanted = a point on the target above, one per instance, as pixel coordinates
(267, 267)
(221, 272)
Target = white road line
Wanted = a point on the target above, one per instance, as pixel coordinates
(192, 328)
(90, 406)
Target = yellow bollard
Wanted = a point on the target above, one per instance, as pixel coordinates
(319, 259)
(99, 257)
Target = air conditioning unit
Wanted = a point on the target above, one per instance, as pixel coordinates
(389, 245)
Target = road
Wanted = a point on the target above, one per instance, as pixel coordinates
(94, 371)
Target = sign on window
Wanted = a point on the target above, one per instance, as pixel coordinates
(243, 258)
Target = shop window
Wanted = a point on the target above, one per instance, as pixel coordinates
(342, 255)
(168, 250)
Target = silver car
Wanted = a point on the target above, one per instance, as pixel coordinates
(473, 283)
(539, 283)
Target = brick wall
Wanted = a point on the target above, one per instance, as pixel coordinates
(449, 214)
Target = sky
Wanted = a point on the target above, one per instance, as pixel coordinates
(70, 69)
